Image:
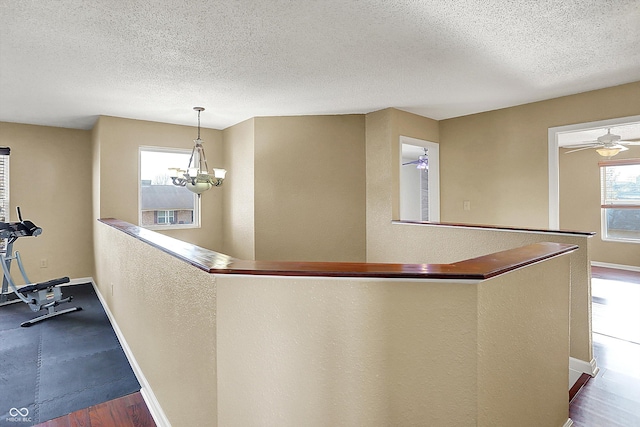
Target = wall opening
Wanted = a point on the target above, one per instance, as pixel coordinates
(419, 180)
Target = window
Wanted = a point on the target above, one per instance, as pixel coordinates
(163, 205)
(4, 184)
(4, 190)
(620, 200)
(166, 217)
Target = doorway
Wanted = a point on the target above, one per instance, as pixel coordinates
(554, 138)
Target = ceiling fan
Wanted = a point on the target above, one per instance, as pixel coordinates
(607, 145)
(421, 163)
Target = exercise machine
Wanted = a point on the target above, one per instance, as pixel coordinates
(38, 296)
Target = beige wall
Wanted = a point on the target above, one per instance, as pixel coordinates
(498, 160)
(415, 244)
(383, 131)
(118, 141)
(387, 242)
(580, 204)
(345, 352)
(310, 188)
(238, 214)
(50, 179)
(520, 344)
(259, 350)
(167, 313)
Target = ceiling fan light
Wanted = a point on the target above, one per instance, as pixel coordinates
(608, 151)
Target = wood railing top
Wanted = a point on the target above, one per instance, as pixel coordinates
(480, 268)
(499, 228)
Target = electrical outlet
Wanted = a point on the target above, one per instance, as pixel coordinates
(44, 263)
(466, 205)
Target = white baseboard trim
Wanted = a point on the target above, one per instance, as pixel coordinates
(82, 281)
(568, 423)
(149, 397)
(616, 266)
(583, 366)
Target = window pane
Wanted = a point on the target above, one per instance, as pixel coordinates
(622, 224)
(621, 184)
(621, 200)
(163, 204)
(4, 192)
(4, 188)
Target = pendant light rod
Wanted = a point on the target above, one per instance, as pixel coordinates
(199, 110)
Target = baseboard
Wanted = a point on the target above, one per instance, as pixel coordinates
(82, 281)
(583, 366)
(568, 423)
(616, 266)
(149, 397)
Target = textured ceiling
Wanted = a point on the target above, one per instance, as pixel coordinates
(65, 62)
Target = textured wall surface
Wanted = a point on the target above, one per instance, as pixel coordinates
(50, 179)
(119, 140)
(387, 242)
(310, 188)
(384, 129)
(498, 160)
(259, 350)
(166, 310)
(409, 243)
(239, 191)
(523, 323)
(339, 352)
(580, 204)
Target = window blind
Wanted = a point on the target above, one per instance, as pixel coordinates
(620, 184)
(4, 184)
(620, 200)
(4, 190)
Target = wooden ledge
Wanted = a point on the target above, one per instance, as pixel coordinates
(498, 228)
(474, 269)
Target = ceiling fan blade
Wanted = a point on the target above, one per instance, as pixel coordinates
(630, 142)
(584, 145)
(415, 162)
(580, 149)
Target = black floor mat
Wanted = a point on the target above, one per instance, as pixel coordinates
(62, 364)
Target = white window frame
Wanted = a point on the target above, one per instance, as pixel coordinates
(608, 203)
(169, 215)
(197, 213)
(4, 184)
(5, 215)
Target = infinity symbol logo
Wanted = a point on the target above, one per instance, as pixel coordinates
(14, 412)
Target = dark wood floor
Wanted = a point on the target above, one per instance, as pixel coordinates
(127, 411)
(611, 399)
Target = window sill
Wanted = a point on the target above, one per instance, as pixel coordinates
(614, 240)
(170, 227)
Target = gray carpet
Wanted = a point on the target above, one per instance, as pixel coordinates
(62, 364)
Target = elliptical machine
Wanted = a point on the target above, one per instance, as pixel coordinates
(38, 296)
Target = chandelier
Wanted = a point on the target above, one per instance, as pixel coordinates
(197, 178)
